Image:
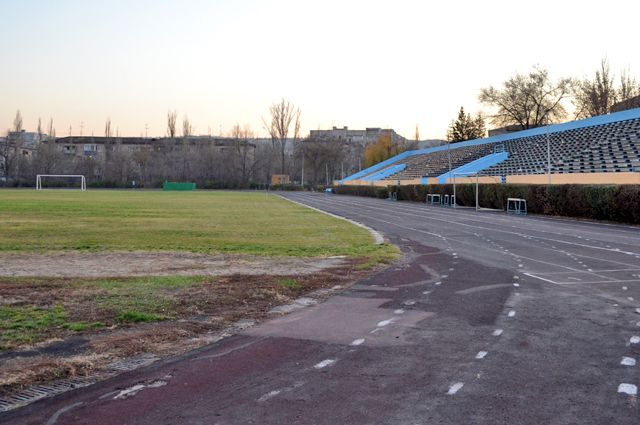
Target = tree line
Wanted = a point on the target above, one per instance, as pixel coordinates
(533, 99)
(238, 160)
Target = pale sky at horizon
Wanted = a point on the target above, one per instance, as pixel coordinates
(344, 63)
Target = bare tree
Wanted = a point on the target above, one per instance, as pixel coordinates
(39, 130)
(9, 149)
(52, 131)
(172, 117)
(107, 128)
(528, 100)
(283, 116)
(597, 96)
(629, 87)
(187, 128)
(244, 151)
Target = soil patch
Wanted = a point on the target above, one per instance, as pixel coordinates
(112, 264)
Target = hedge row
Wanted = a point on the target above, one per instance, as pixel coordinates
(619, 203)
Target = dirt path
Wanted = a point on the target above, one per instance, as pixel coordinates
(112, 264)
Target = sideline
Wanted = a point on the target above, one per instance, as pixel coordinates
(377, 236)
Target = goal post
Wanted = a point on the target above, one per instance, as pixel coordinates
(83, 181)
(474, 179)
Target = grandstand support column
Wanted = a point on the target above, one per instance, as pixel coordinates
(477, 180)
(548, 157)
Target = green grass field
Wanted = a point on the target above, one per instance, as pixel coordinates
(203, 222)
(209, 222)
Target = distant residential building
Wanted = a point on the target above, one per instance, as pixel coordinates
(632, 103)
(362, 137)
(97, 147)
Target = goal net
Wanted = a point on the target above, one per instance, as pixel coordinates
(69, 181)
(473, 180)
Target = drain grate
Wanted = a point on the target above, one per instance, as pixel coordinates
(37, 392)
(133, 363)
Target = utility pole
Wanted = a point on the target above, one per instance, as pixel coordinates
(146, 131)
(327, 169)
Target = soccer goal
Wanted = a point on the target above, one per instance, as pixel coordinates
(64, 177)
(474, 179)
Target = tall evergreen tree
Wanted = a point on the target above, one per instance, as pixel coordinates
(466, 128)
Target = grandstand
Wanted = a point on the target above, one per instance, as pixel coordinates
(599, 146)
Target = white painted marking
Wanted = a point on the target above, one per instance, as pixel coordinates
(375, 330)
(634, 340)
(269, 395)
(398, 311)
(497, 332)
(438, 283)
(520, 265)
(628, 361)
(324, 363)
(511, 313)
(451, 269)
(131, 391)
(409, 302)
(455, 388)
(624, 288)
(628, 389)
(384, 323)
(481, 355)
(444, 276)
(516, 284)
(516, 277)
(357, 341)
(638, 310)
(630, 298)
(574, 278)
(426, 292)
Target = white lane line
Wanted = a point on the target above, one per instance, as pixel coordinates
(624, 288)
(438, 283)
(516, 284)
(628, 389)
(269, 395)
(481, 355)
(324, 363)
(357, 342)
(376, 330)
(384, 323)
(634, 340)
(455, 388)
(512, 313)
(628, 361)
(398, 311)
(409, 302)
(516, 277)
(444, 276)
(497, 332)
(274, 393)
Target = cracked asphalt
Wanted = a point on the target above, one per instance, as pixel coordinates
(489, 319)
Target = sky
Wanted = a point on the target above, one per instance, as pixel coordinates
(394, 64)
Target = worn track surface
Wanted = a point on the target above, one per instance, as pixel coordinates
(490, 319)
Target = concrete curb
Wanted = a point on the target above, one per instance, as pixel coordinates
(377, 236)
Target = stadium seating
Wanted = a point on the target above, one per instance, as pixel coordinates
(607, 143)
